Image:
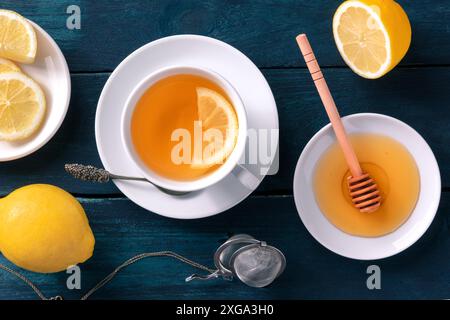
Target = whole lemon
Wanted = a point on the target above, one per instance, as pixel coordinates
(44, 229)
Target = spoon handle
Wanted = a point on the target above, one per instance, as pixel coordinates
(119, 177)
(167, 191)
(330, 106)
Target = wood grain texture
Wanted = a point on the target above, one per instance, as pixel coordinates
(264, 30)
(122, 230)
(301, 115)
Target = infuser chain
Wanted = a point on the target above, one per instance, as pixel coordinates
(216, 274)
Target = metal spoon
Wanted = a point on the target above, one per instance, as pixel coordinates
(93, 174)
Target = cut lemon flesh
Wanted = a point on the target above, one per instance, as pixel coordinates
(22, 106)
(8, 66)
(362, 40)
(219, 126)
(17, 38)
(372, 36)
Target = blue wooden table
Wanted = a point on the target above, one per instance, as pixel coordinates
(415, 92)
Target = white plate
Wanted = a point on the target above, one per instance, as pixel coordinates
(359, 247)
(190, 50)
(51, 72)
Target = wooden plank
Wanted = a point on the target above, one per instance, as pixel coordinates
(264, 29)
(301, 115)
(122, 230)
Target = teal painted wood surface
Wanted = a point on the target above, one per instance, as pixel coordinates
(301, 115)
(416, 92)
(123, 230)
(262, 29)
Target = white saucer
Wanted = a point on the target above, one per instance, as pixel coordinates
(190, 50)
(359, 247)
(51, 72)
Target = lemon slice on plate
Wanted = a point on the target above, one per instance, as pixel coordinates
(372, 36)
(219, 125)
(17, 37)
(8, 66)
(22, 106)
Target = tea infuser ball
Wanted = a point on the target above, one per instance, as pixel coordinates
(258, 265)
(252, 261)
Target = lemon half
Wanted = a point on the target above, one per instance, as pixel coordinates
(372, 36)
(22, 106)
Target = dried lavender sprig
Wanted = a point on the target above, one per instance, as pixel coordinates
(93, 174)
(87, 173)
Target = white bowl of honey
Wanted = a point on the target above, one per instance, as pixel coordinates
(406, 171)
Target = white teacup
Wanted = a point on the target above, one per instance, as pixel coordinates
(230, 165)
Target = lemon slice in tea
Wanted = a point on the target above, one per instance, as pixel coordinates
(219, 125)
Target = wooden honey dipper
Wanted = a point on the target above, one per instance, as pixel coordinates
(362, 188)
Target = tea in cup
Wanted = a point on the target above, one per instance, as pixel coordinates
(185, 128)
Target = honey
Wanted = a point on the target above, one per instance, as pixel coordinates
(395, 172)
